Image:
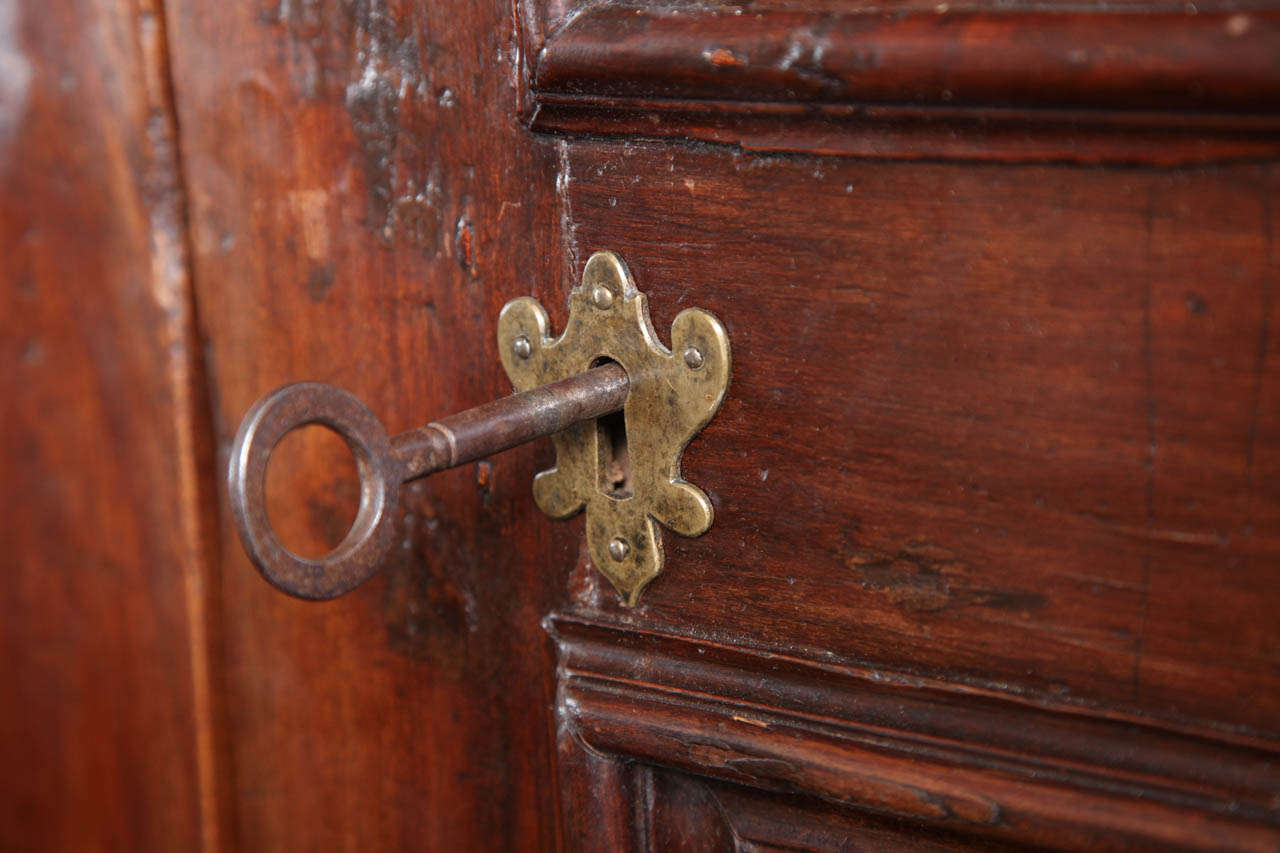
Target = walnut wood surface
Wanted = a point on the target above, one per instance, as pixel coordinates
(363, 202)
(1012, 424)
(1021, 433)
(997, 507)
(107, 721)
(942, 755)
(1051, 82)
(1212, 61)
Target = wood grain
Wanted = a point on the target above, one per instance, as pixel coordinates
(1007, 426)
(1171, 60)
(770, 821)
(363, 202)
(108, 728)
(1001, 440)
(1153, 85)
(973, 762)
(997, 505)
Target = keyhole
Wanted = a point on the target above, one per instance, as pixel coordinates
(613, 465)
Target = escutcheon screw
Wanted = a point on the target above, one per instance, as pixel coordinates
(602, 297)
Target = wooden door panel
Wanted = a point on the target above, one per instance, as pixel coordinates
(108, 721)
(995, 438)
(940, 756)
(996, 507)
(363, 202)
(994, 424)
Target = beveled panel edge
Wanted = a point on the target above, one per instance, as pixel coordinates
(1007, 85)
(960, 758)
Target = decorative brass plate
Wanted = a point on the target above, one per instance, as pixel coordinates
(626, 484)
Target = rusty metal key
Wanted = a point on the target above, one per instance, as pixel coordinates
(386, 462)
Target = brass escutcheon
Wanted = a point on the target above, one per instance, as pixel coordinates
(625, 473)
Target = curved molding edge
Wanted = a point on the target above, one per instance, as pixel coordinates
(966, 761)
(1154, 87)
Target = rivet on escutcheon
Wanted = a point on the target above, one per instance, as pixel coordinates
(602, 297)
(693, 358)
(521, 347)
(618, 549)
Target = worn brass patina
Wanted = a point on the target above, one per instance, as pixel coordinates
(626, 484)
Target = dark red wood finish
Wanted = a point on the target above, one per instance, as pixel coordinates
(1162, 84)
(997, 430)
(364, 200)
(1016, 442)
(1019, 423)
(997, 540)
(108, 722)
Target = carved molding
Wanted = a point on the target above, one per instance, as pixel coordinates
(1137, 85)
(970, 762)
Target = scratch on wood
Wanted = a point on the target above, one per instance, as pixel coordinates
(503, 209)
(924, 577)
(464, 245)
(723, 58)
(568, 232)
(1155, 534)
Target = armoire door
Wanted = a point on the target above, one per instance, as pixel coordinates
(996, 552)
(997, 517)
